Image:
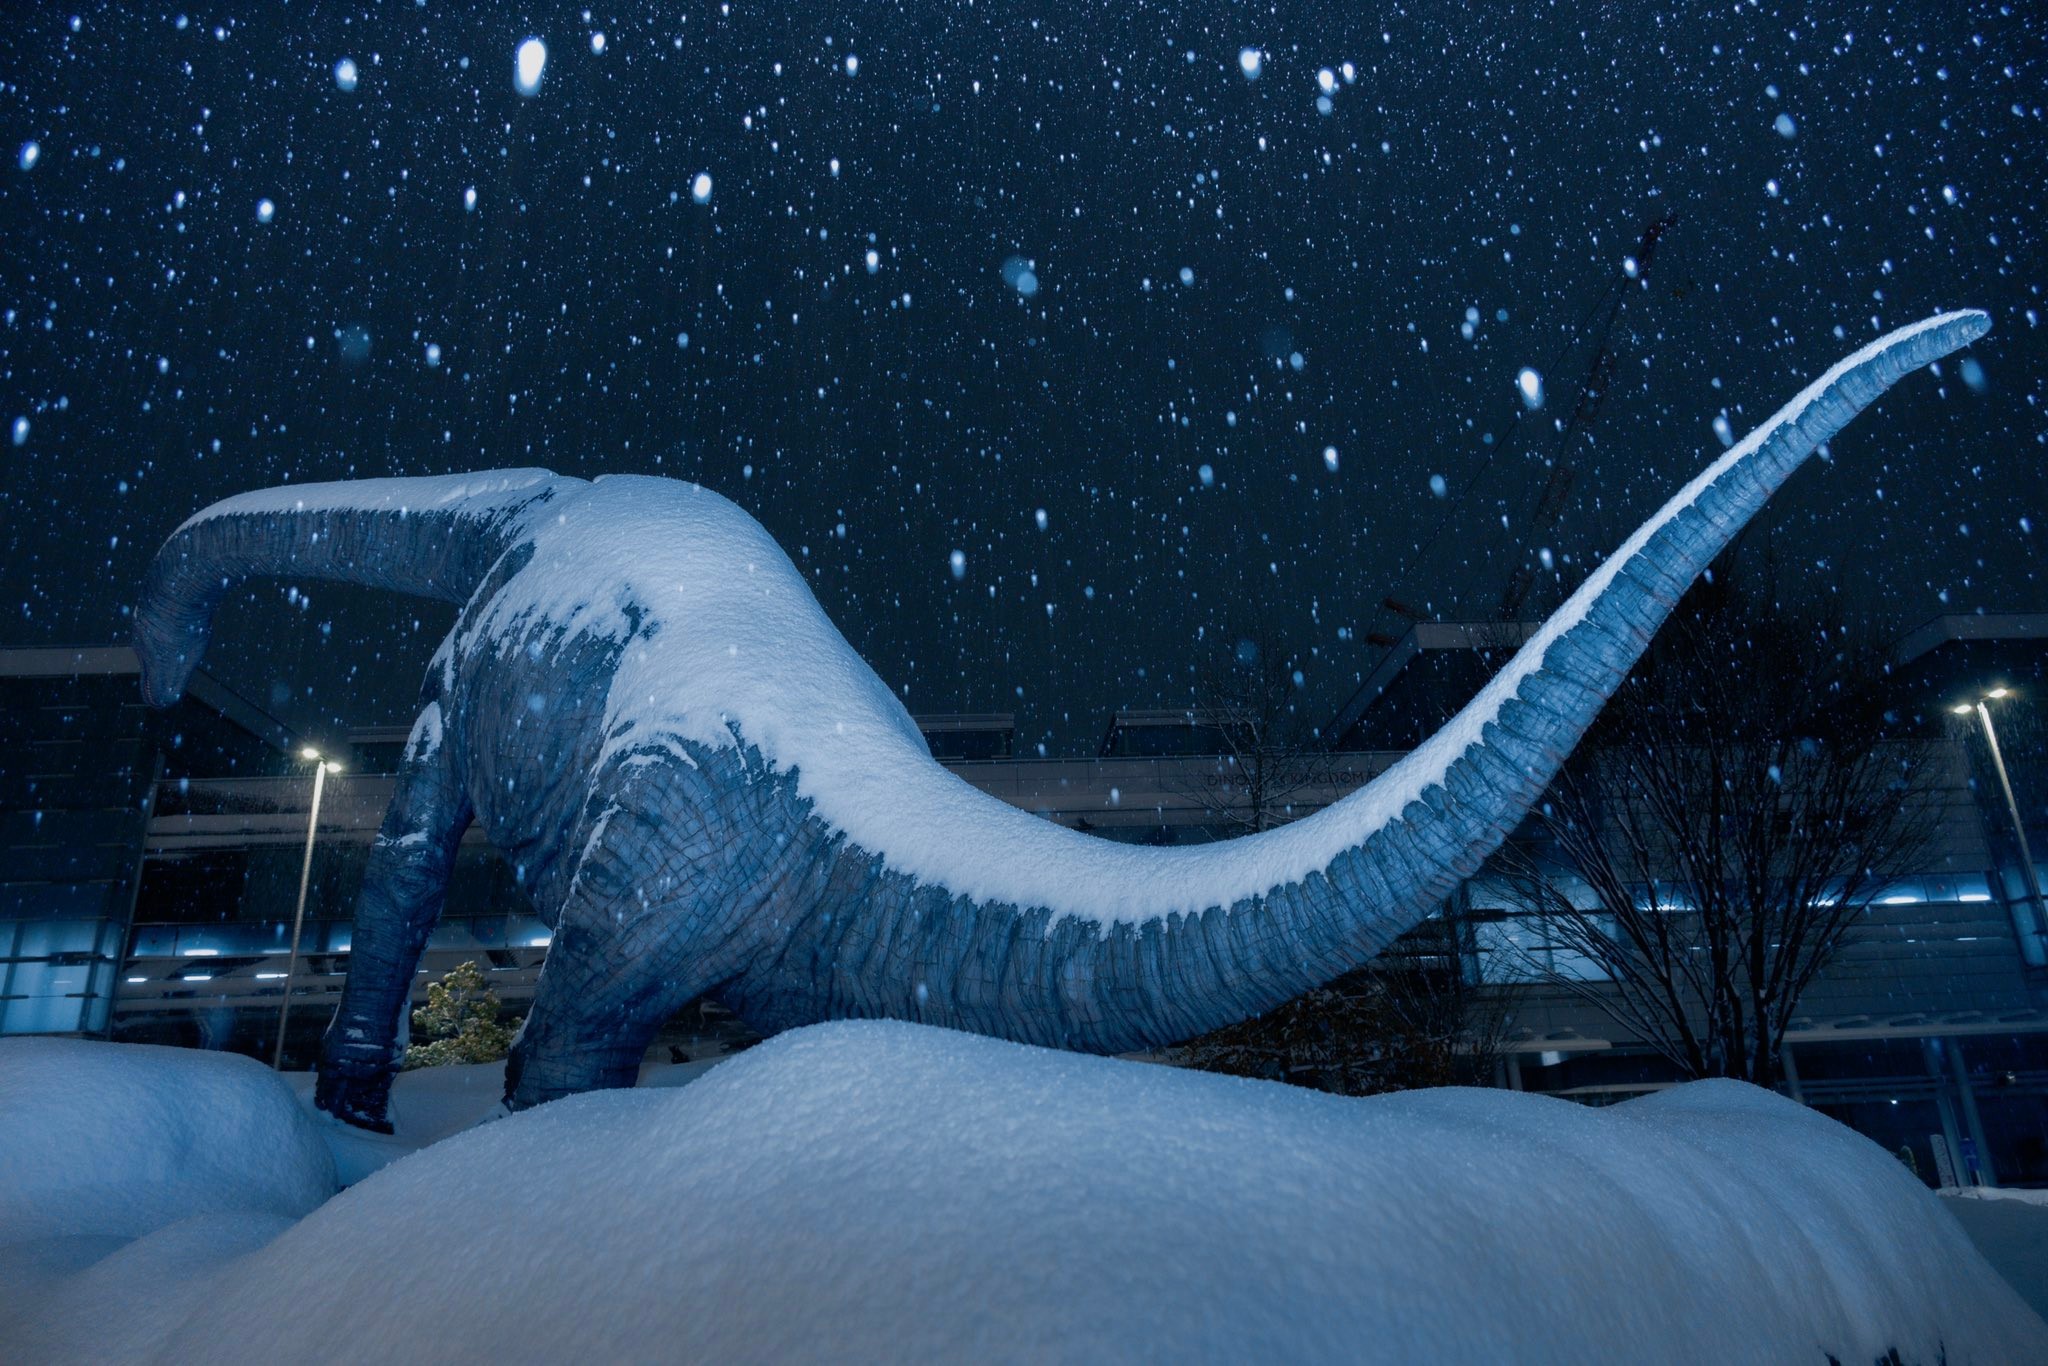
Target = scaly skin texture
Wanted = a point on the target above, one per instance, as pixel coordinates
(671, 866)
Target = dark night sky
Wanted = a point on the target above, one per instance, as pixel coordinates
(166, 346)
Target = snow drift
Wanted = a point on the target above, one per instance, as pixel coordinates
(885, 1191)
(118, 1142)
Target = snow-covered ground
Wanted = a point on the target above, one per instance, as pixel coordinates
(882, 1191)
(2010, 1227)
(437, 1102)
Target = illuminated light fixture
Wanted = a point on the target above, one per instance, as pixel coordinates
(261, 977)
(321, 768)
(2028, 870)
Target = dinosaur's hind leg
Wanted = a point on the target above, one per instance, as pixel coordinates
(404, 889)
(600, 1001)
(678, 885)
(655, 915)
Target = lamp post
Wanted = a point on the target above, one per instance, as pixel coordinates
(321, 768)
(2012, 806)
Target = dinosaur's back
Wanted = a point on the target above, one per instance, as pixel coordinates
(705, 634)
(650, 612)
(711, 623)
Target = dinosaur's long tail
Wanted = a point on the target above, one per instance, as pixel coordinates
(1379, 861)
(433, 537)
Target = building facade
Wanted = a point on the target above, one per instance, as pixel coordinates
(82, 764)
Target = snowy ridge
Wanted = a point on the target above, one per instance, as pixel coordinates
(731, 646)
(888, 1192)
(466, 495)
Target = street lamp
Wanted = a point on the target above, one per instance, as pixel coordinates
(321, 768)
(2012, 807)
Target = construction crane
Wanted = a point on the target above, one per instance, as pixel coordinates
(1597, 327)
(1593, 391)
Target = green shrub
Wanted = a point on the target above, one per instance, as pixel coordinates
(460, 1022)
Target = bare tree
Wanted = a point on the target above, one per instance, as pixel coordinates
(1416, 1019)
(1714, 846)
(1269, 754)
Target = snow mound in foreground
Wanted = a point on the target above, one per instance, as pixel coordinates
(873, 1191)
(100, 1140)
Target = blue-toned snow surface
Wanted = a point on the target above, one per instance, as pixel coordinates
(872, 1191)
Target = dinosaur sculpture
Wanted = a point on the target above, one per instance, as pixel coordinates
(705, 789)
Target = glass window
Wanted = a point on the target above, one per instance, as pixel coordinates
(54, 975)
(1509, 951)
(1532, 948)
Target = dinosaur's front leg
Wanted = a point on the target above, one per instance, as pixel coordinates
(404, 889)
